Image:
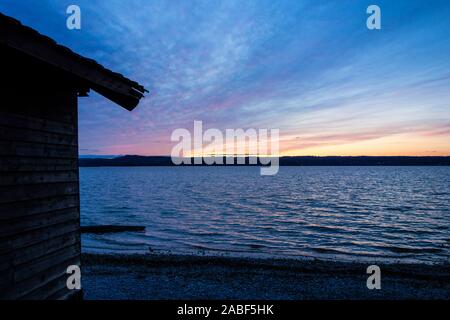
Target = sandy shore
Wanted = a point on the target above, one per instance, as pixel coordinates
(156, 277)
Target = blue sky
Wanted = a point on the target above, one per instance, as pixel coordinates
(310, 68)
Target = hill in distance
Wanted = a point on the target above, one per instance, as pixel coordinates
(135, 161)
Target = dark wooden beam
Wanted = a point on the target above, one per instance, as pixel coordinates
(111, 85)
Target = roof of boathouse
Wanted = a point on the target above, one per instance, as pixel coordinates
(111, 85)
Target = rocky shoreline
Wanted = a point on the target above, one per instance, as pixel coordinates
(186, 277)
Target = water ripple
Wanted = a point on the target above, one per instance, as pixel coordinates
(383, 212)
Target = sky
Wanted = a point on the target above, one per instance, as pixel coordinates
(311, 69)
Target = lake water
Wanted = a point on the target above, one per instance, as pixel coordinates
(356, 213)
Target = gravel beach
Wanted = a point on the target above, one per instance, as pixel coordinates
(167, 277)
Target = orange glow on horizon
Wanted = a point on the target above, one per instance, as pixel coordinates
(394, 145)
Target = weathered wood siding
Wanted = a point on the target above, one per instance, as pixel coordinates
(39, 193)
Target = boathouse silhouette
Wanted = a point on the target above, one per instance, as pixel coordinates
(39, 182)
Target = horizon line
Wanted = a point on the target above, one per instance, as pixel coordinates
(266, 156)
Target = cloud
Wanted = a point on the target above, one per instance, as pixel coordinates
(310, 69)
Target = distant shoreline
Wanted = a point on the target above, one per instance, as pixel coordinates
(157, 276)
(140, 161)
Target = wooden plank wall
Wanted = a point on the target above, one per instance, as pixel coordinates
(39, 193)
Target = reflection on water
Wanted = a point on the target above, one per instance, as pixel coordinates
(400, 213)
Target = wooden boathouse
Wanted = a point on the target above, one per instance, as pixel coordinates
(40, 82)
